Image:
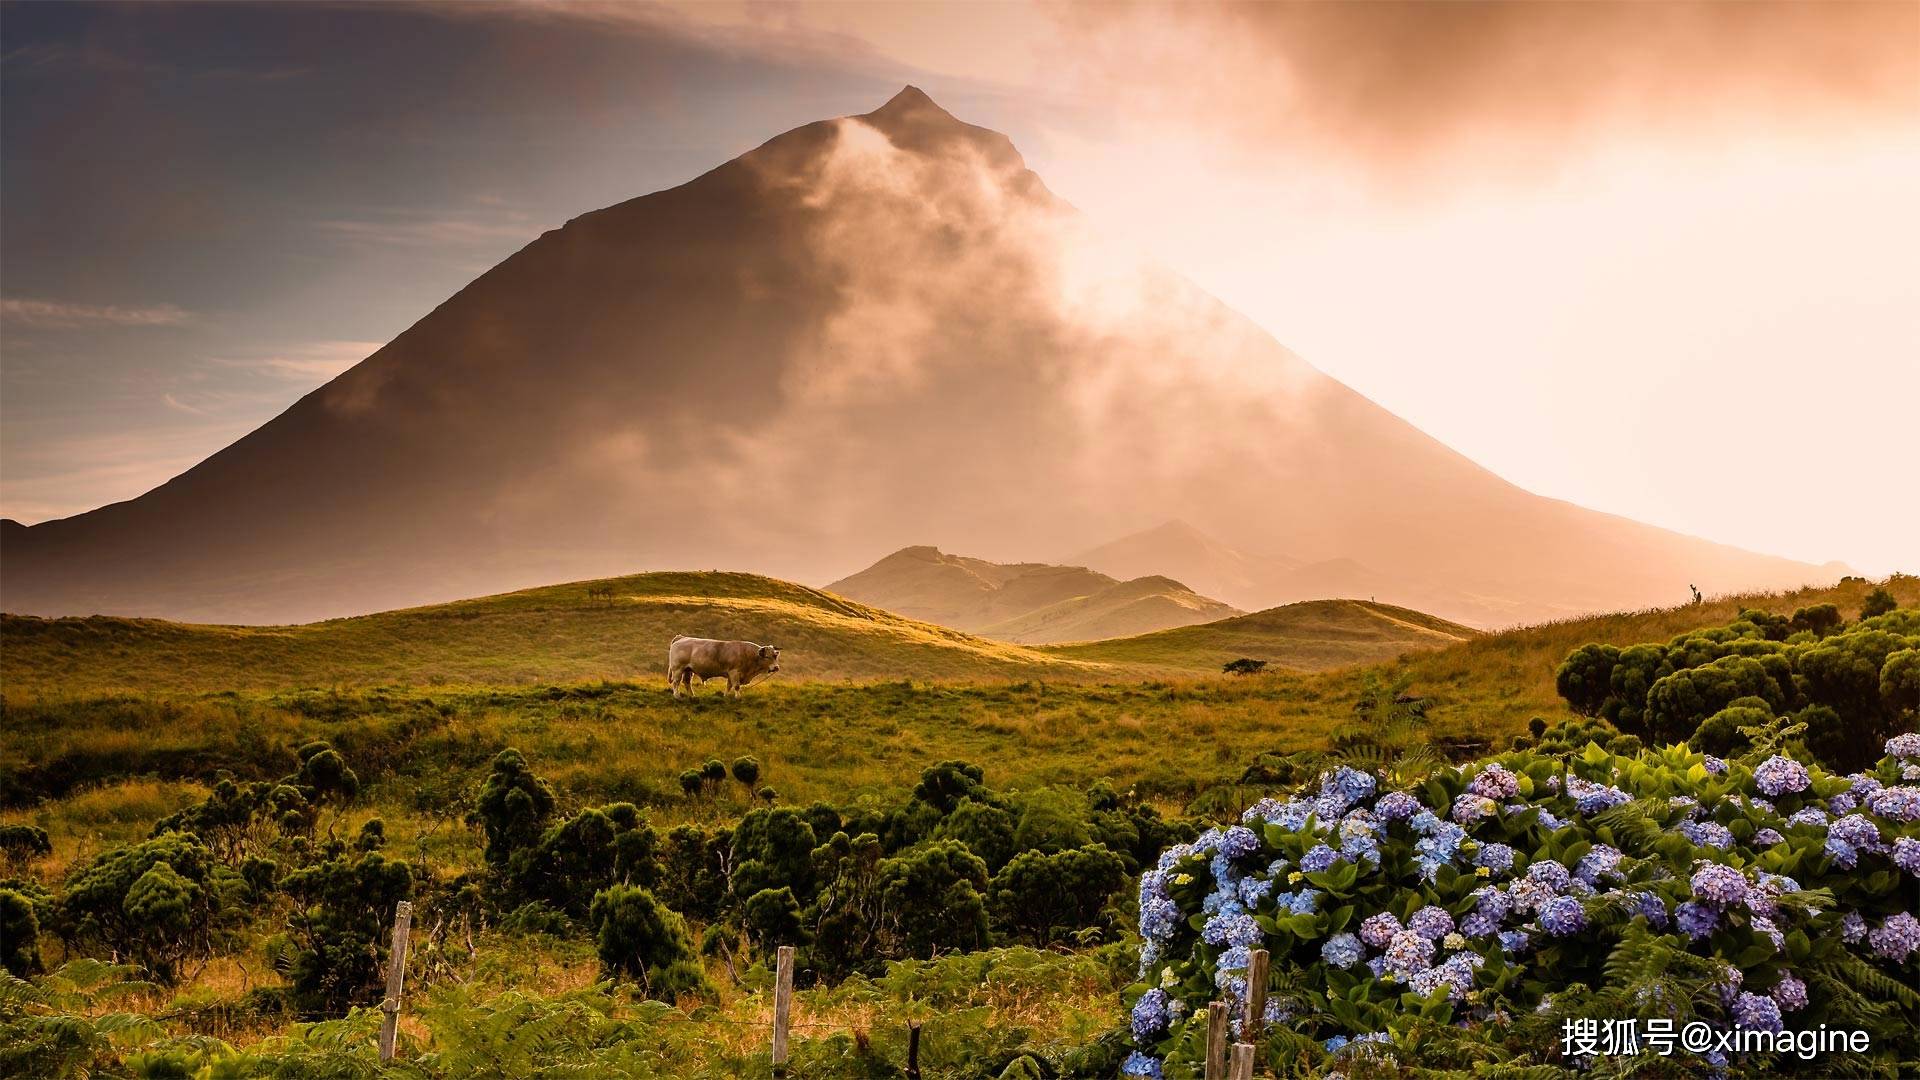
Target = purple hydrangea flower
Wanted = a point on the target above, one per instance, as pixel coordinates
(1722, 886)
(1714, 765)
(1496, 857)
(1906, 855)
(1778, 775)
(1150, 1015)
(1431, 923)
(1756, 1013)
(1853, 928)
(1562, 915)
(1856, 831)
(1768, 838)
(1477, 924)
(1897, 937)
(1378, 930)
(1343, 951)
(1655, 909)
(1899, 803)
(1238, 841)
(1809, 815)
(1761, 924)
(1904, 746)
(1495, 782)
(1843, 803)
(1361, 849)
(1550, 874)
(1592, 798)
(1492, 903)
(1696, 920)
(1408, 952)
(1396, 806)
(1601, 861)
(1841, 852)
(1470, 808)
(1790, 994)
(1707, 834)
(1514, 941)
(1318, 859)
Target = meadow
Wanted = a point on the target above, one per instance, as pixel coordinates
(112, 725)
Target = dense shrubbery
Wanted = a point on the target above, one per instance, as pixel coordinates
(1851, 686)
(1461, 920)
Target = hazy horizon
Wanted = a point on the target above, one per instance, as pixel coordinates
(209, 212)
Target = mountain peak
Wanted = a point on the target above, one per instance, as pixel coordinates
(910, 99)
(913, 121)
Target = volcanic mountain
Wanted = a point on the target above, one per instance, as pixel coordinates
(1029, 603)
(864, 332)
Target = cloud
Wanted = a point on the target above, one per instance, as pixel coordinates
(60, 314)
(316, 361)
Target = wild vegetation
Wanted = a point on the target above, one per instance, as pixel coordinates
(204, 879)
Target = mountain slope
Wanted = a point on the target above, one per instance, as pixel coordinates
(1310, 636)
(1123, 609)
(552, 634)
(1030, 603)
(865, 331)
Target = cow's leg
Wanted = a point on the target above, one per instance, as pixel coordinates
(733, 684)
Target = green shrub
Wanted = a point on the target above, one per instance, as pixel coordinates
(513, 807)
(746, 770)
(930, 898)
(772, 917)
(156, 901)
(1878, 603)
(20, 845)
(1041, 899)
(640, 938)
(693, 876)
(340, 930)
(19, 934)
(987, 831)
(577, 857)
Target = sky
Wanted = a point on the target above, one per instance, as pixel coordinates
(1656, 259)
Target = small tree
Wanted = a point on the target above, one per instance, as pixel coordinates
(513, 808)
(1878, 602)
(713, 770)
(155, 901)
(21, 845)
(746, 770)
(1585, 678)
(19, 934)
(930, 899)
(1817, 619)
(1042, 898)
(644, 940)
(1243, 666)
(340, 927)
(772, 917)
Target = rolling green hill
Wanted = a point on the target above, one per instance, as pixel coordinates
(552, 634)
(1310, 636)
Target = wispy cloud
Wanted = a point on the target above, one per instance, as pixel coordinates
(315, 361)
(60, 313)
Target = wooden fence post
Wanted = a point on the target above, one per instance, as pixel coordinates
(396, 978)
(913, 1050)
(1242, 1061)
(782, 1004)
(1217, 1041)
(1256, 1013)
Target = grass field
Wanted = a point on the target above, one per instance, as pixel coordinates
(1312, 636)
(111, 724)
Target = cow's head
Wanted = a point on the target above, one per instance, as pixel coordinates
(769, 659)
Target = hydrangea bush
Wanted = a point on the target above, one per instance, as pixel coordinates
(1662, 884)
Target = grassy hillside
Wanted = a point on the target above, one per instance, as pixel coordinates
(1029, 603)
(1310, 636)
(553, 634)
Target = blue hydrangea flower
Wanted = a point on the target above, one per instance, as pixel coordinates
(1809, 815)
(1696, 920)
(1335, 1044)
(1143, 1065)
(1320, 858)
(1707, 834)
(1158, 918)
(1470, 808)
(1232, 928)
(1843, 803)
(1551, 874)
(1396, 806)
(1361, 849)
(1548, 820)
(1592, 798)
(1514, 941)
(1496, 857)
(1842, 853)
(1343, 951)
(1761, 924)
(1904, 746)
(1756, 1013)
(1350, 784)
(1150, 1016)
(1477, 924)
(1492, 903)
(1562, 915)
(1853, 928)
(1714, 765)
(1778, 775)
(1653, 908)
(1253, 890)
(1601, 861)
(1238, 841)
(1768, 838)
(1424, 822)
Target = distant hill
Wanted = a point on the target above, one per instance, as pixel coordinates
(1030, 603)
(552, 634)
(1310, 636)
